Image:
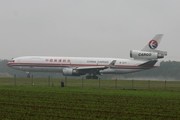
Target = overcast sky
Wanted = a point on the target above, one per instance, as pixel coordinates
(87, 28)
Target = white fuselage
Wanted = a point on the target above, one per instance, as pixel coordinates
(57, 64)
(143, 59)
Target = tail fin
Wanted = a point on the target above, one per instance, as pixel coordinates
(149, 51)
(153, 44)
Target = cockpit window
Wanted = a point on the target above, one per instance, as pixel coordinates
(12, 60)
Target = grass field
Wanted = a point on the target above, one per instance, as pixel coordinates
(89, 99)
(36, 102)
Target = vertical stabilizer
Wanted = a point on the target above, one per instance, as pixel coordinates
(153, 44)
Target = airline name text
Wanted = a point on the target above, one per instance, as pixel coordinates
(144, 54)
(93, 61)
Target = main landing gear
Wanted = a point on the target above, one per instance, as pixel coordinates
(91, 77)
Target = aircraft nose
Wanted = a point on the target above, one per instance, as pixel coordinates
(10, 63)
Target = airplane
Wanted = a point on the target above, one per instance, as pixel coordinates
(143, 59)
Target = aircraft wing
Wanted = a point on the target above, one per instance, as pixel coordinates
(96, 67)
(91, 67)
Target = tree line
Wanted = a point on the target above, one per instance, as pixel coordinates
(169, 70)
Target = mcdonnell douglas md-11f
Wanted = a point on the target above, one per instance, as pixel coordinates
(143, 59)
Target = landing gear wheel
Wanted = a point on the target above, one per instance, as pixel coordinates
(87, 77)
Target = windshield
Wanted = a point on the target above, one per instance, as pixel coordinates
(12, 60)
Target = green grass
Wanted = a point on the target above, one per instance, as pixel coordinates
(40, 102)
(23, 98)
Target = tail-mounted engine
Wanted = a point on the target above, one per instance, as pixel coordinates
(156, 54)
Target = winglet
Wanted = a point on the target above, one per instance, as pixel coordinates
(112, 63)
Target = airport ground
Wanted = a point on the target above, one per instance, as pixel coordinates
(85, 99)
(167, 85)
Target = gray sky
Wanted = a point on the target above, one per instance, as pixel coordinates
(87, 28)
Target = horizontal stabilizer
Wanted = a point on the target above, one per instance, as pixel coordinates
(148, 64)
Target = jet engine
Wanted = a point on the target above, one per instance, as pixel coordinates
(71, 72)
(138, 54)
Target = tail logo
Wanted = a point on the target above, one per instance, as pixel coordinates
(153, 44)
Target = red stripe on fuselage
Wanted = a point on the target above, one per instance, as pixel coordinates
(72, 65)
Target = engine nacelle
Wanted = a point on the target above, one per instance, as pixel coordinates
(71, 72)
(137, 54)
